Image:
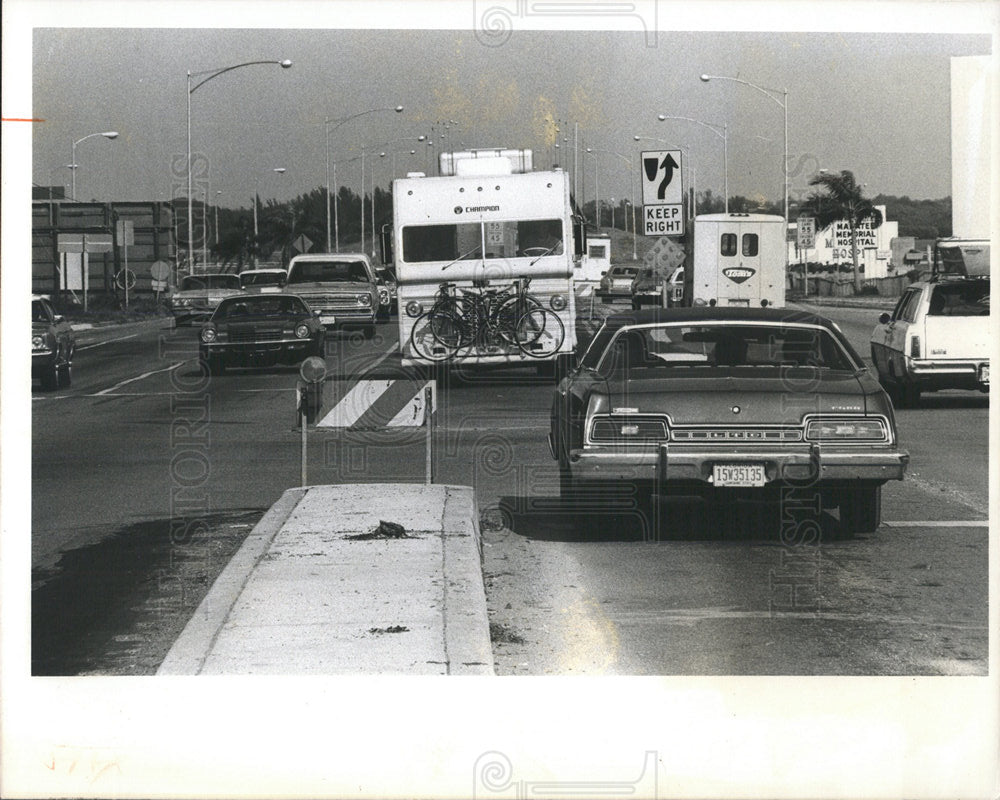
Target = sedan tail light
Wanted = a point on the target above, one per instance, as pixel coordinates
(857, 429)
(915, 347)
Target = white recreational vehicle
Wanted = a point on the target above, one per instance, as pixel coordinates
(739, 260)
(484, 259)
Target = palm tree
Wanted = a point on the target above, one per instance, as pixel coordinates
(842, 201)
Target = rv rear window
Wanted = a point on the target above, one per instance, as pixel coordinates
(503, 239)
(728, 244)
(750, 244)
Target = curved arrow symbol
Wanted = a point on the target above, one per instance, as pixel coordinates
(669, 165)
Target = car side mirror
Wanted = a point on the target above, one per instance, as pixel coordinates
(316, 312)
(58, 318)
(884, 318)
(605, 272)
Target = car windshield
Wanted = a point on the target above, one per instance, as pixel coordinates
(963, 299)
(262, 306)
(645, 351)
(38, 312)
(262, 279)
(195, 282)
(624, 272)
(329, 272)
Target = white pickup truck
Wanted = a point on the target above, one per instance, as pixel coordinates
(937, 337)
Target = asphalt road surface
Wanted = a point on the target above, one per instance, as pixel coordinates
(147, 468)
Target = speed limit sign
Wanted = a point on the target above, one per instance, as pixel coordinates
(125, 279)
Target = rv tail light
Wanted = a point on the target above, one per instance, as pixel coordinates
(712, 302)
(915, 347)
(414, 309)
(558, 302)
(698, 301)
(763, 303)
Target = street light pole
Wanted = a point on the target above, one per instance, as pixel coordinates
(725, 146)
(628, 165)
(73, 165)
(209, 75)
(771, 94)
(340, 121)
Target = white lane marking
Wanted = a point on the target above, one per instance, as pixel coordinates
(127, 381)
(108, 341)
(946, 523)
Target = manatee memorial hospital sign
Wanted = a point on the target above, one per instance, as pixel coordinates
(832, 245)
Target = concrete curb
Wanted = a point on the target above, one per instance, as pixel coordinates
(188, 653)
(466, 618)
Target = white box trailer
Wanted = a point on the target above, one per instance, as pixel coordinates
(739, 260)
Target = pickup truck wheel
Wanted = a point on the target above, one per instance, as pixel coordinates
(861, 509)
(65, 378)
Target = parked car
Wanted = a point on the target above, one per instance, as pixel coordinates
(260, 330)
(386, 278)
(199, 295)
(263, 280)
(340, 286)
(647, 288)
(52, 345)
(617, 282)
(937, 337)
(701, 402)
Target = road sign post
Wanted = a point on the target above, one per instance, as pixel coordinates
(429, 425)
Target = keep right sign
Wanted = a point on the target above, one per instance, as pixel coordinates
(662, 193)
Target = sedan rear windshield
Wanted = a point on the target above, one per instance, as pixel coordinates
(640, 351)
(263, 279)
(195, 282)
(329, 272)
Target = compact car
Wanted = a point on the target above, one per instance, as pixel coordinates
(647, 287)
(52, 345)
(617, 282)
(260, 330)
(726, 405)
(198, 296)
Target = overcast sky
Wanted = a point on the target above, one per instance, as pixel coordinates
(874, 103)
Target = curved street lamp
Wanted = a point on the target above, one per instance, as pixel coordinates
(208, 75)
(724, 135)
(73, 165)
(340, 121)
(783, 102)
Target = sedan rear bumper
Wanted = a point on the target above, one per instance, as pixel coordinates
(668, 464)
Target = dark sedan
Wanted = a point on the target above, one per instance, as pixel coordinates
(724, 405)
(52, 345)
(259, 331)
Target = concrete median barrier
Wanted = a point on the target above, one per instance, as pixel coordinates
(348, 579)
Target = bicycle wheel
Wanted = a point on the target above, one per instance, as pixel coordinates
(539, 333)
(430, 339)
(504, 318)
